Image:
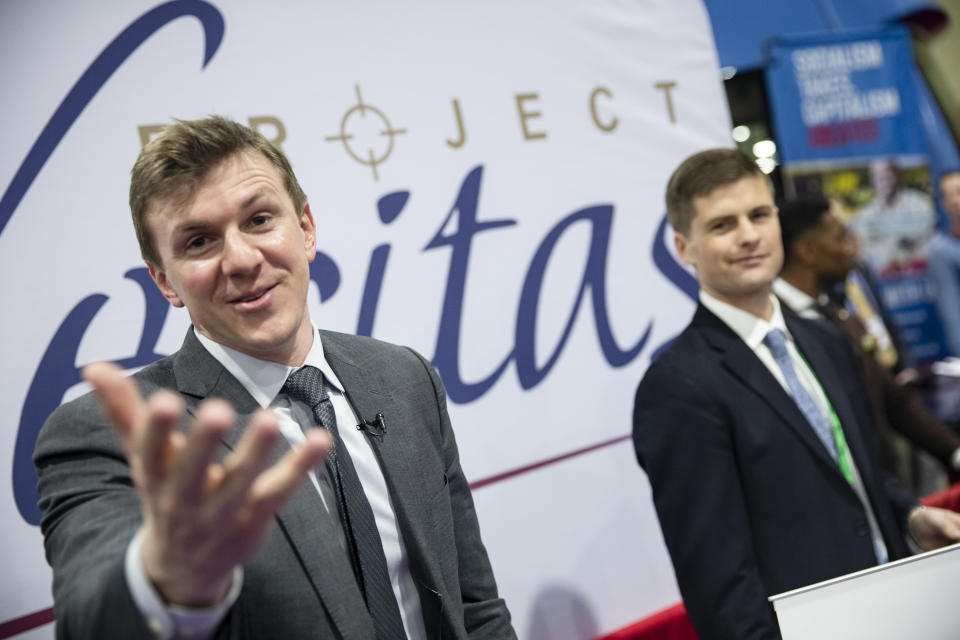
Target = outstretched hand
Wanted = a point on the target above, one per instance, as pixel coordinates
(201, 518)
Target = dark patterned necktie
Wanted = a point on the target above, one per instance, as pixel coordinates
(306, 385)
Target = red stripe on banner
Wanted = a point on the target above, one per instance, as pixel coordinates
(25, 623)
(670, 624)
(543, 463)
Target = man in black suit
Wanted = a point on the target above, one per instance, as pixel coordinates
(819, 253)
(751, 426)
(158, 515)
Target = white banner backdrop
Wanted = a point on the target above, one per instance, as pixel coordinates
(487, 180)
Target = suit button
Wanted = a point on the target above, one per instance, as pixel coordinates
(861, 527)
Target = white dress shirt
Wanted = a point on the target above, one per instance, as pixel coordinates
(263, 380)
(800, 302)
(752, 330)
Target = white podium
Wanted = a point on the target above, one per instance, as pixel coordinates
(917, 598)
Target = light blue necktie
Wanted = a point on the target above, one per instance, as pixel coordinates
(777, 343)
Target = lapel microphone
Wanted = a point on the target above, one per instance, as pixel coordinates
(376, 427)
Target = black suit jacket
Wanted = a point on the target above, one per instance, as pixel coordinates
(749, 500)
(300, 584)
(895, 406)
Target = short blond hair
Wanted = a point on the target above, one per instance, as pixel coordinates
(176, 162)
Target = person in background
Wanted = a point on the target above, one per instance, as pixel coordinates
(753, 427)
(944, 263)
(215, 509)
(895, 226)
(819, 252)
(860, 294)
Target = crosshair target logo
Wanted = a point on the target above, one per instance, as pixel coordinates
(367, 134)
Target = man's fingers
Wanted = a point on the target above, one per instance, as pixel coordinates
(119, 396)
(950, 524)
(277, 484)
(190, 470)
(153, 442)
(243, 466)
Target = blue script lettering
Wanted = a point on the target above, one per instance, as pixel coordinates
(388, 208)
(674, 271)
(93, 79)
(58, 371)
(594, 278)
(463, 217)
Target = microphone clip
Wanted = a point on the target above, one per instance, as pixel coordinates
(376, 427)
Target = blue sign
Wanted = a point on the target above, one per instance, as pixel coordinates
(848, 125)
(844, 95)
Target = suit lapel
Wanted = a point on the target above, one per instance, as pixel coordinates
(835, 388)
(744, 365)
(307, 524)
(303, 519)
(200, 376)
(365, 390)
(398, 456)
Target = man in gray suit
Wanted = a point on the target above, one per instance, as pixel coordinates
(158, 513)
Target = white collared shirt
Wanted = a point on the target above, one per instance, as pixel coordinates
(752, 331)
(263, 380)
(800, 302)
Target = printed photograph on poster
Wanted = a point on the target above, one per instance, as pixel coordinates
(888, 205)
(886, 202)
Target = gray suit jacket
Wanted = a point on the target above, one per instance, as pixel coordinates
(300, 584)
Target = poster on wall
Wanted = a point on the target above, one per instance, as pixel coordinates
(848, 127)
(487, 182)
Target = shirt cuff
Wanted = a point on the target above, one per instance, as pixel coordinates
(170, 621)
